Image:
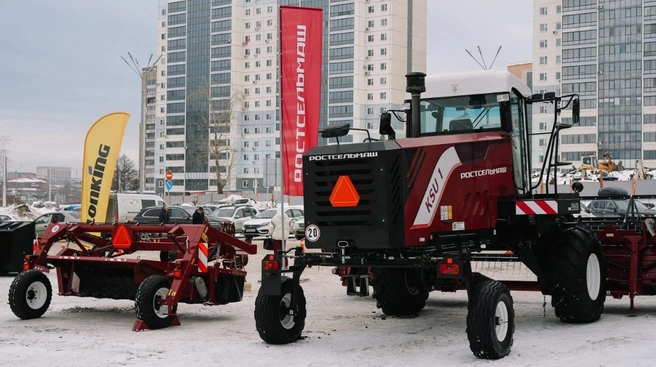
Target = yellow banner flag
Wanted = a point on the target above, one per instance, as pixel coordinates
(101, 149)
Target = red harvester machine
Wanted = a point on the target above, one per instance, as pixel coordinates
(411, 214)
(197, 264)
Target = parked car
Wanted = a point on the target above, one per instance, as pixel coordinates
(259, 226)
(42, 222)
(615, 204)
(6, 218)
(209, 208)
(236, 215)
(298, 228)
(123, 207)
(649, 205)
(177, 215)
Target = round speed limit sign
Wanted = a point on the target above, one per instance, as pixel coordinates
(312, 233)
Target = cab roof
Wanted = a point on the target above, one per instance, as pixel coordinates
(474, 82)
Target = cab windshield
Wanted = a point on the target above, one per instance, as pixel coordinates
(453, 115)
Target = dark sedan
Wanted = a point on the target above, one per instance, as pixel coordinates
(177, 215)
(618, 208)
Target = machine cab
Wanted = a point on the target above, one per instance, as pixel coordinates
(487, 101)
(477, 102)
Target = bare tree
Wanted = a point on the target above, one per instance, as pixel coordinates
(220, 120)
(126, 176)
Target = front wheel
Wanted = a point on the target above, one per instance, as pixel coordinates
(490, 320)
(147, 302)
(30, 294)
(577, 277)
(273, 319)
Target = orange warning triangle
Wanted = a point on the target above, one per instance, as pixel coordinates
(344, 194)
(122, 238)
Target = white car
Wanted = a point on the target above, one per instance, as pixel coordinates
(42, 222)
(236, 215)
(298, 228)
(259, 226)
(6, 218)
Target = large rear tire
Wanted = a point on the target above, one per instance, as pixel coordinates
(150, 292)
(490, 320)
(398, 292)
(30, 294)
(577, 277)
(272, 319)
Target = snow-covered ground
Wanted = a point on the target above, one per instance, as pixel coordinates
(28, 212)
(340, 330)
(569, 177)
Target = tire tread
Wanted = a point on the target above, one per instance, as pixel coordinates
(143, 302)
(391, 293)
(17, 301)
(567, 280)
(267, 316)
(480, 330)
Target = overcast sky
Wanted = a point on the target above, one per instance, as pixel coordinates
(61, 68)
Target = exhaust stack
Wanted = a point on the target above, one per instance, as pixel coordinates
(415, 85)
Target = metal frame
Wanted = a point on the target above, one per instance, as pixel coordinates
(96, 251)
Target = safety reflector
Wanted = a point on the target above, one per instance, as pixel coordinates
(202, 257)
(122, 238)
(449, 269)
(344, 194)
(270, 263)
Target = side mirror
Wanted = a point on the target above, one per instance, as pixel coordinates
(335, 131)
(576, 111)
(385, 127)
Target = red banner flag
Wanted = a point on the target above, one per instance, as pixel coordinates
(300, 89)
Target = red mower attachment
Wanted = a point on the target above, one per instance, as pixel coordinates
(197, 264)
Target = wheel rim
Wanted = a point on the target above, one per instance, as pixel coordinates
(593, 276)
(160, 310)
(286, 320)
(501, 321)
(36, 295)
(410, 285)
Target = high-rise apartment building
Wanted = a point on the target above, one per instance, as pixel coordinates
(147, 141)
(546, 72)
(221, 62)
(606, 52)
(56, 175)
